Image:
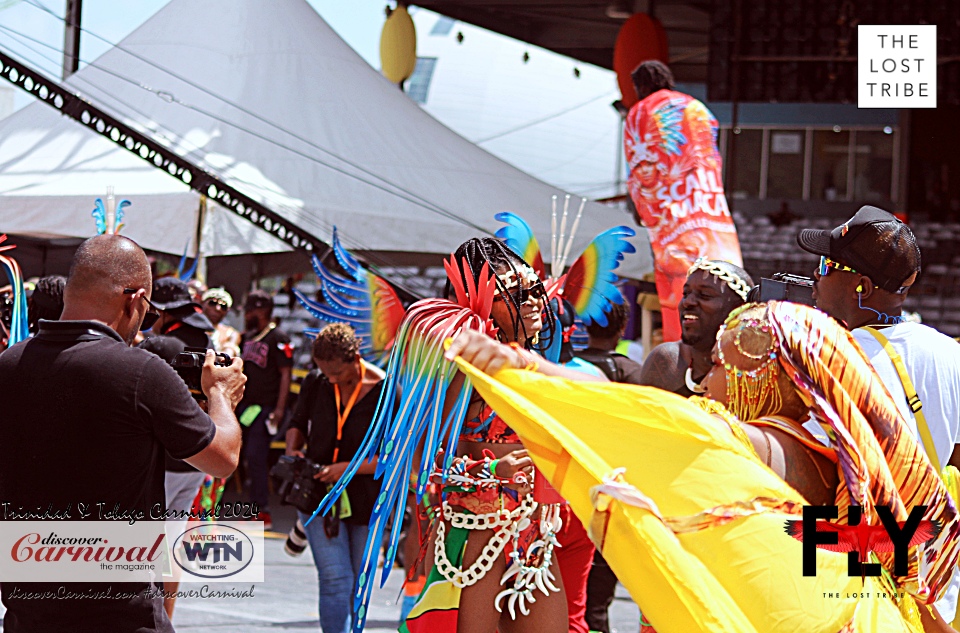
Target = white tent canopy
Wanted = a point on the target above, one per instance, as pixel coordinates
(266, 96)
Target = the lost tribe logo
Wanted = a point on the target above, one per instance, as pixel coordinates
(213, 551)
(859, 539)
(897, 66)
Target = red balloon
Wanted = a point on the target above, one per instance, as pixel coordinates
(641, 38)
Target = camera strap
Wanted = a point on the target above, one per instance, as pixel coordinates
(343, 415)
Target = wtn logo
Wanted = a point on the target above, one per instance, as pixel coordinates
(216, 550)
(221, 551)
(859, 539)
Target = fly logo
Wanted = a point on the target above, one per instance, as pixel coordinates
(859, 539)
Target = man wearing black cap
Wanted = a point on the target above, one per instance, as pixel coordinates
(182, 324)
(268, 358)
(867, 266)
(180, 316)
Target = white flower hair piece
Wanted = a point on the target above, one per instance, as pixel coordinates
(733, 281)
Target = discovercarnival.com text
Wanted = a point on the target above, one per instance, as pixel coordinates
(89, 593)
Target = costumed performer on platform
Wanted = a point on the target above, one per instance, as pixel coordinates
(676, 184)
(696, 528)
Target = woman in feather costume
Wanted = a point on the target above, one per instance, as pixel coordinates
(491, 553)
(496, 292)
(695, 528)
(493, 572)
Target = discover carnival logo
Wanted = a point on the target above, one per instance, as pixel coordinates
(118, 551)
(53, 548)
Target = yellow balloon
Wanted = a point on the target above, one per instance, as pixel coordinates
(398, 46)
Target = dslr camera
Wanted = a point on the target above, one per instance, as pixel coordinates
(189, 364)
(783, 287)
(297, 485)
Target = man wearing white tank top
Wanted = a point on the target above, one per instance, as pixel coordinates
(867, 266)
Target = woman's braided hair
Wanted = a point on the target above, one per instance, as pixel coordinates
(500, 259)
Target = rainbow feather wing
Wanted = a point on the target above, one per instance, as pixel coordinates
(121, 207)
(365, 301)
(520, 239)
(99, 214)
(590, 284)
(345, 258)
(410, 415)
(182, 275)
(386, 312)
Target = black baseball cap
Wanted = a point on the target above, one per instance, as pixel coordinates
(173, 297)
(193, 316)
(170, 293)
(258, 299)
(874, 243)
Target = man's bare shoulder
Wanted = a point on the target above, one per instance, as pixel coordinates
(664, 367)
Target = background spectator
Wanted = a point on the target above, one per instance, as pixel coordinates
(216, 304)
(180, 316)
(268, 358)
(46, 301)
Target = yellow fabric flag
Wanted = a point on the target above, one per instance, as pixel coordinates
(688, 518)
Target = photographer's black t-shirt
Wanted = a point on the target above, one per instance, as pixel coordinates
(87, 419)
(316, 417)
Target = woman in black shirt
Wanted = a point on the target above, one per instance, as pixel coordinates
(336, 405)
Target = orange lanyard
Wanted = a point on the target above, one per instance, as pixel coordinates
(342, 417)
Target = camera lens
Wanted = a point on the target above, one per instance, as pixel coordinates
(296, 540)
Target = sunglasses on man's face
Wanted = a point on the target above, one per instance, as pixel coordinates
(219, 305)
(150, 318)
(520, 295)
(827, 264)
